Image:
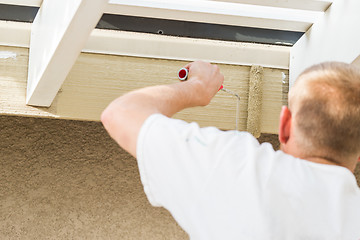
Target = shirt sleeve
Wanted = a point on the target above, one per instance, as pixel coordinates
(177, 158)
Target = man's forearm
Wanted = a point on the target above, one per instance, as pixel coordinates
(124, 117)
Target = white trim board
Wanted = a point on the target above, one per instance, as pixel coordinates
(15, 34)
(187, 49)
(163, 47)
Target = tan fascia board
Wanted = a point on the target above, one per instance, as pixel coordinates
(123, 43)
(97, 79)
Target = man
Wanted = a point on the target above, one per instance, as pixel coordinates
(225, 185)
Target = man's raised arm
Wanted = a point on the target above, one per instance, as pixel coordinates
(124, 117)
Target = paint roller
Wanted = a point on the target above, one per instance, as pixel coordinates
(183, 74)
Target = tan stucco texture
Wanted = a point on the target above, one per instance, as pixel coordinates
(68, 180)
(62, 179)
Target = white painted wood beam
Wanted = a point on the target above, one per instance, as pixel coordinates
(334, 37)
(59, 32)
(217, 13)
(162, 47)
(259, 13)
(311, 5)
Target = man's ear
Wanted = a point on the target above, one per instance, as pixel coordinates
(359, 159)
(285, 125)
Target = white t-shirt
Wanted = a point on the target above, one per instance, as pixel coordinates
(225, 185)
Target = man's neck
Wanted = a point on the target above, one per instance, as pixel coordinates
(323, 160)
(316, 158)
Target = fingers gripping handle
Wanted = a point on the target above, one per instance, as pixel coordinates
(183, 74)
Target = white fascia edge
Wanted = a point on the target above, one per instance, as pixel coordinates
(163, 47)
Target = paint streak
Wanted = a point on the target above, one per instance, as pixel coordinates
(7, 54)
(283, 77)
(237, 104)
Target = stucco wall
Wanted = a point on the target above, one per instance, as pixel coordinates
(68, 180)
(63, 179)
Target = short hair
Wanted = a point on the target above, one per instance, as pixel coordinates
(328, 109)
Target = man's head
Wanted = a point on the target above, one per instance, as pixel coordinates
(324, 114)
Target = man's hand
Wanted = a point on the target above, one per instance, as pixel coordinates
(124, 117)
(206, 79)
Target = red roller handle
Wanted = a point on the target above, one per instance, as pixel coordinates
(183, 74)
